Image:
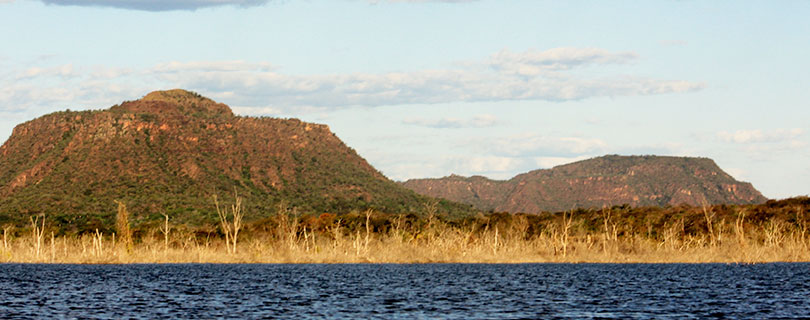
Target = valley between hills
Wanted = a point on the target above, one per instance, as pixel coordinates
(177, 177)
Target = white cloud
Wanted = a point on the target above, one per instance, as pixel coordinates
(59, 71)
(760, 136)
(157, 5)
(535, 62)
(540, 146)
(262, 85)
(477, 121)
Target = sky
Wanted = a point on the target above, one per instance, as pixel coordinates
(424, 88)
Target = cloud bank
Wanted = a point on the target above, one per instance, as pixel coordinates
(505, 76)
(530, 75)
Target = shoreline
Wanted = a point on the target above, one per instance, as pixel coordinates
(772, 232)
(447, 250)
(396, 263)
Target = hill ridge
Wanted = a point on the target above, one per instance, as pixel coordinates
(644, 180)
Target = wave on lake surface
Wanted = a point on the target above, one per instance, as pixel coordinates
(447, 291)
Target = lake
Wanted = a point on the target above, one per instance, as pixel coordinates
(447, 291)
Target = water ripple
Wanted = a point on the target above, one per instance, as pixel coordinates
(447, 291)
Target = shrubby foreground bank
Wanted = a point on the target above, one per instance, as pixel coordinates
(774, 231)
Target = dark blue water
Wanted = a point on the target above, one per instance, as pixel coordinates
(451, 291)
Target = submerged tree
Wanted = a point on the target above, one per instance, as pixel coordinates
(230, 228)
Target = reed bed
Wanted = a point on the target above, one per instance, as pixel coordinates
(602, 236)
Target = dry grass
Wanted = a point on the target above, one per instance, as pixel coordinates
(288, 239)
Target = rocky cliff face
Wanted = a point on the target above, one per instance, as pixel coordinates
(604, 181)
(171, 151)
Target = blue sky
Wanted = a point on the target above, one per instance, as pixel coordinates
(429, 88)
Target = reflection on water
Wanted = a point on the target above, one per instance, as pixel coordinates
(448, 291)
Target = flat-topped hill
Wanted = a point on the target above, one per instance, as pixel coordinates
(171, 151)
(604, 181)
